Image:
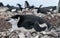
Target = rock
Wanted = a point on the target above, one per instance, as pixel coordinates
(28, 35)
(4, 25)
(45, 36)
(21, 35)
(3, 9)
(13, 35)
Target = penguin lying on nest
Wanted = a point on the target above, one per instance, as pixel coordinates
(29, 22)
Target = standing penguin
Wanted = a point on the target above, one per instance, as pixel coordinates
(1, 4)
(20, 8)
(27, 4)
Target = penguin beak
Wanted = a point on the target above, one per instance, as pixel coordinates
(7, 19)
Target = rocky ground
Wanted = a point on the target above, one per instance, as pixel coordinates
(53, 19)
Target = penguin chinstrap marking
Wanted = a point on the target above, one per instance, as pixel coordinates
(30, 21)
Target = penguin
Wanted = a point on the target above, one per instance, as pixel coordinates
(31, 21)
